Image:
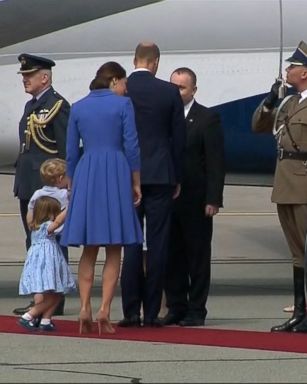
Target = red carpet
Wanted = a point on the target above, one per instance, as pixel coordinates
(286, 342)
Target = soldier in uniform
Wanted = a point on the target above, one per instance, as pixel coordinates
(288, 122)
(42, 132)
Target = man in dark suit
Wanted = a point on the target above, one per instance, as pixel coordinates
(189, 264)
(161, 132)
(42, 132)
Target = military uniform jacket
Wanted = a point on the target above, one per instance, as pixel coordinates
(27, 177)
(290, 180)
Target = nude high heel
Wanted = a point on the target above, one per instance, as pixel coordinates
(85, 322)
(104, 324)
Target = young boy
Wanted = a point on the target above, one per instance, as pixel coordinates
(53, 175)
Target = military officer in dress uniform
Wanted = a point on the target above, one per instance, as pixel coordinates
(42, 131)
(288, 122)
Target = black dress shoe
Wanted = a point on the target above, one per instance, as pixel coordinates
(172, 318)
(154, 323)
(23, 310)
(133, 321)
(191, 321)
(288, 325)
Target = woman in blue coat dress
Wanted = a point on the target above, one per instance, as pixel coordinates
(105, 186)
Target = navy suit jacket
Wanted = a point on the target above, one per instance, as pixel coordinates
(204, 163)
(160, 123)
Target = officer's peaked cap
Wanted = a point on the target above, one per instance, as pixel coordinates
(30, 63)
(299, 56)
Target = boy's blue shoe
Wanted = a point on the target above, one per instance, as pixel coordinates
(28, 324)
(47, 327)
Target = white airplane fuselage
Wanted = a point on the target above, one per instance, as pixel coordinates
(232, 45)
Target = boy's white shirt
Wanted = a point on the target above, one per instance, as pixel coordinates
(60, 194)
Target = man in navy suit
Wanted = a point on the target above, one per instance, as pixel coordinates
(160, 124)
(189, 264)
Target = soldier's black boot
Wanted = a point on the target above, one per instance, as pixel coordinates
(302, 326)
(299, 303)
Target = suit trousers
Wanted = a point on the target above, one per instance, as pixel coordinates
(189, 264)
(142, 280)
(293, 220)
(23, 207)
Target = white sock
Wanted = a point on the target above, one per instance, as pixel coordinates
(27, 316)
(45, 321)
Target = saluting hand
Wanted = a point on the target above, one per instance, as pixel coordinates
(273, 95)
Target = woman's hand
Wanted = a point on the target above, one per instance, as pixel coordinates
(137, 195)
(136, 187)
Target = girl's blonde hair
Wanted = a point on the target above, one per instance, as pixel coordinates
(51, 169)
(45, 208)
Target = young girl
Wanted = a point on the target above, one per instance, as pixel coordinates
(46, 270)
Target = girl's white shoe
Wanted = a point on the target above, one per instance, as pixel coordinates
(289, 308)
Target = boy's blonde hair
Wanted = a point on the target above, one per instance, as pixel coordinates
(45, 208)
(51, 169)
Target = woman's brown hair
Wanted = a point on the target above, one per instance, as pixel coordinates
(45, 208)
(106, 73)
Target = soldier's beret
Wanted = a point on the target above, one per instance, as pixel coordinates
(31, 63)
(299, 56)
